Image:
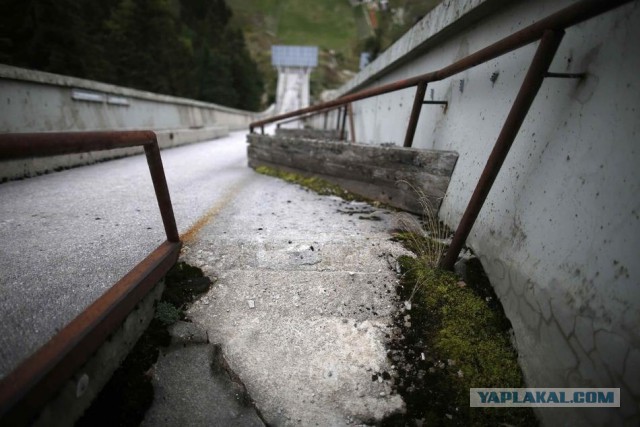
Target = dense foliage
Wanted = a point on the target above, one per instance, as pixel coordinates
(178, 47)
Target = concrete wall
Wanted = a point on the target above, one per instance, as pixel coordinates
(33, 101)
(408, 179)
(559, 234)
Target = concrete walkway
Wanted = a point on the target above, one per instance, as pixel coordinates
(298, 318)
(68, 236)
(303, 303)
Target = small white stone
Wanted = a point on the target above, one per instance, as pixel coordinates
(252, 303)
(82, 385)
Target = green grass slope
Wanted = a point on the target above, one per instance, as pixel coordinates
(340, 30)
(329, 24)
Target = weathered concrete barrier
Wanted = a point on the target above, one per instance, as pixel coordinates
(34, 101)
(397, 176)
(23, 168)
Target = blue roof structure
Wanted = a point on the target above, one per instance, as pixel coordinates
(294, 56)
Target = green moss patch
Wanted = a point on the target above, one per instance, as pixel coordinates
(129, 393)
(455, 337)
(318, 185)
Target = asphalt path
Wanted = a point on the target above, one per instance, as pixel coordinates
(66, 237)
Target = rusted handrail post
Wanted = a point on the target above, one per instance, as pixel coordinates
(415, 114)
(162, 191)
(528, 91)
(344, 121)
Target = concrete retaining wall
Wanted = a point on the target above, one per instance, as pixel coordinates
(404, 178)
(559, 234)
(33, 101)
(308, 133)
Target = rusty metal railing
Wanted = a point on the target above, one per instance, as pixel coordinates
(28, 387)
(549, 31)
(343, 112)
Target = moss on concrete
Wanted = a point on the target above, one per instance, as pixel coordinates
(458, 338)
(167, 313)
(129, 393)
(318, 185)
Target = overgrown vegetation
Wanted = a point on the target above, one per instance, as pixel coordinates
(184, 48)
(329, 24)
(393, 22)
(318, 185)
(340, 29)
(455, 342)
(198, 48)
(126, 397)
(457, 337)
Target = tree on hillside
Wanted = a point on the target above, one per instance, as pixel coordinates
(224, 69)
(145, 49)
(247, 79)
(177, 47)
(44, 34)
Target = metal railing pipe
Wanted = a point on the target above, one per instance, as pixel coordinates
(344, 122)
(567, 17)
(415, 114)
(25, 390)
(162, 192)
(28, 387)
(528, 91)
(25, 145)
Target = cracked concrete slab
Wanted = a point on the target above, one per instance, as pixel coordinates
(198, 393)
(302, 305)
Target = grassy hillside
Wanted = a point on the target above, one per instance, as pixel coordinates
(329, 24)
(341, 30)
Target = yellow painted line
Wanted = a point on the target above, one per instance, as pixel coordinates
(189, 235)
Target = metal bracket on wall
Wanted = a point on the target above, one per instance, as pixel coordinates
(443, 103)
(566, 75)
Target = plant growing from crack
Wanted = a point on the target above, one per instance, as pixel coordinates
(457, 337)
(426, 238)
